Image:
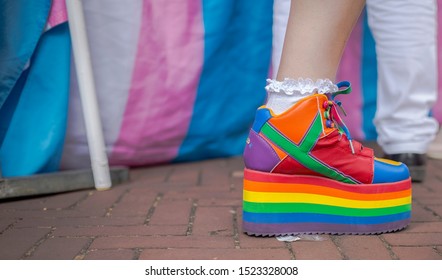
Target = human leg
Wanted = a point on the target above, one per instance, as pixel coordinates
(405, 36)
(300, 159)
(317, 32)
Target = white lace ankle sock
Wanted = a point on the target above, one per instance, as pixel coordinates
(281, 95)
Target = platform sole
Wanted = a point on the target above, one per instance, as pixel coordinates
(278, 204)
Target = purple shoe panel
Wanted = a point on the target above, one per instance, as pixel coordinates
(258, 154)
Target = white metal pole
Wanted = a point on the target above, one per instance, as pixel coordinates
(94, 131)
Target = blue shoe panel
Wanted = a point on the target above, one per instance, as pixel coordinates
(386, 172)
(261, 117)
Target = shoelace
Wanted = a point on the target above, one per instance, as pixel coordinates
(332, 115)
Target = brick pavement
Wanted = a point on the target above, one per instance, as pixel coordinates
(193, 211)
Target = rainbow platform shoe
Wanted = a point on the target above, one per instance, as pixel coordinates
(304, 174)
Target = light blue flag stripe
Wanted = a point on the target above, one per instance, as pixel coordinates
(237, 51)
(34, 140)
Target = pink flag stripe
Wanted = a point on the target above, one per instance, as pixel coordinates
(166, 71)
(58, 13)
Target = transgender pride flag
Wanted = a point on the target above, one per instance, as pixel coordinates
(177, 80)
(34, 85)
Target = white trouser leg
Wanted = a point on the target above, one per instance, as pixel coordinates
(405, 36)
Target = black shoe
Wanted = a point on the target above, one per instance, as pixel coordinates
(416, 164)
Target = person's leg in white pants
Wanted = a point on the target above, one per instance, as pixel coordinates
(405, 37)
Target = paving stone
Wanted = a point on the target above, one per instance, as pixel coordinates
(151, 175)
(437, 209)
(424, 227)
(414, 239)
(15, 243)
(420, 214)
(206, 242)
(59, 248)
(6, 223)
(116, 254)
(193, 211)
(138, 230)
(55, 201)
(98, 203)
(438, 249)
(316, 250)
(135, 202)
(79, 221)
(362, 248)
(215, 254)
(250, 242)
(215, 201)
(185, 175)
(171, 212)
(417, 253)
(213, 221)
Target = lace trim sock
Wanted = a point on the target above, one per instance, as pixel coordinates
(281, 95)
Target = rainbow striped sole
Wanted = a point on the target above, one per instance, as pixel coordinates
(278, 204)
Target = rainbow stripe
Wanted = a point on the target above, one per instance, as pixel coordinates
(278, 204)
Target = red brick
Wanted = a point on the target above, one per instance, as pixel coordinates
(59, 248)
(164, 242)
(414, 239)
(417, 253)
(30, 203)
(98, 203)
(185, 175)
(316, 250)
(215, 176)
(215, 254)
(145, 193)
(236, 185)
(200, 193)
(424, 227)
(421, 194)
(5, 223)
(420, 214)
(123, 234)
(46, 214)
(117, 254)
(14, 243)
(235, 163)
(128, 231)
(65, 200)
(153, 174)
(171, 212)
(363, 248)
(135, 203)
(215, 201)
(213, 221)
(434, 199)
(432, 182)
(79, 221)
(437, 209)
(55, 201)
(238, 174)
(249, 242)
